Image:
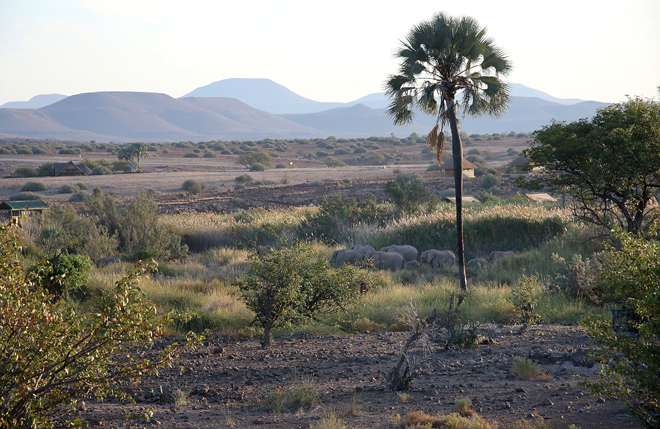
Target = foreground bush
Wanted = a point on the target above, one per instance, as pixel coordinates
(631, 358)
(292, 283)
(51, 355)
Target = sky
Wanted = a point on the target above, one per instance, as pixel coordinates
(340, 50)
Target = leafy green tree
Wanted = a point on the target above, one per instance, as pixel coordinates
(133, 152)
(46, 169)
(631, 360)
(293, 283)
(449, 64)
(52, 354)
(407, 193)
(609, 165)
(252, 158)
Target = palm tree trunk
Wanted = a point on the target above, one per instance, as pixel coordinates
(457, 150)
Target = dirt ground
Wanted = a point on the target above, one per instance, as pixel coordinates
(225, 382)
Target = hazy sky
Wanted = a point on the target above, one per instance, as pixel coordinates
(333, 50)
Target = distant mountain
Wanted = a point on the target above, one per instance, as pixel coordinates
(518, 90)
(525, 114)
(262, 94)
(355, 121)
(130, 116)
(35, 102)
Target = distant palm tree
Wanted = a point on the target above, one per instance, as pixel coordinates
(448, 64)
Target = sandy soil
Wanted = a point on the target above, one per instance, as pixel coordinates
(226, 381)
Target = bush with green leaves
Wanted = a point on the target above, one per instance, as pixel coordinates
(46, 169)
(490, 181)
(101, 171)
(630, 358)
(192, 186)
(524, 301)
(407, 193)
(257, 166)
(578, 278)
(24, 172)
(258, 157)
(137, 227)
(244, 178)
(34, 187)
(67, 189)
(65, 275)
(337, 214)
(62, 229)
(293, 283)
(53, 355)
(26, 196)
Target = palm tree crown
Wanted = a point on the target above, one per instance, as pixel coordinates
(441, 58)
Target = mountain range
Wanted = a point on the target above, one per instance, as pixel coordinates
(250, 109)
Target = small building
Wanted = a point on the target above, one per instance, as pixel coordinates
(520, 165)
(465, 199)
(468, 168)
(541, 197)
(71, 169)
(14, 209)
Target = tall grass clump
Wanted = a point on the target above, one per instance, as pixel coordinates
(487, 228)
(202, 231)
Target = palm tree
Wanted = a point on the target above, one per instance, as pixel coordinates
(448, 64)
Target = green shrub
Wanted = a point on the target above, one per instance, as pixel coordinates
(24, 172)
(34, 187)
(578, 278)
(59, 355)
(79, 197)
(631, 362)
(62, 229)
(101, 171)
(281, 165)
(65, 275)
(67, 189)
(490, 181)
(209, 154)
(23, 196)
(293, 283)
(137, 227)
(46, 169)
(336, 214)
(524, 302)
(192, 186)
(244, 178)
(335, 163)
(190, 155)
(407, 193)
(257, 166)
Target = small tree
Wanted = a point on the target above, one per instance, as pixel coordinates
(259, 157)
(631, 360)
(292, 283)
